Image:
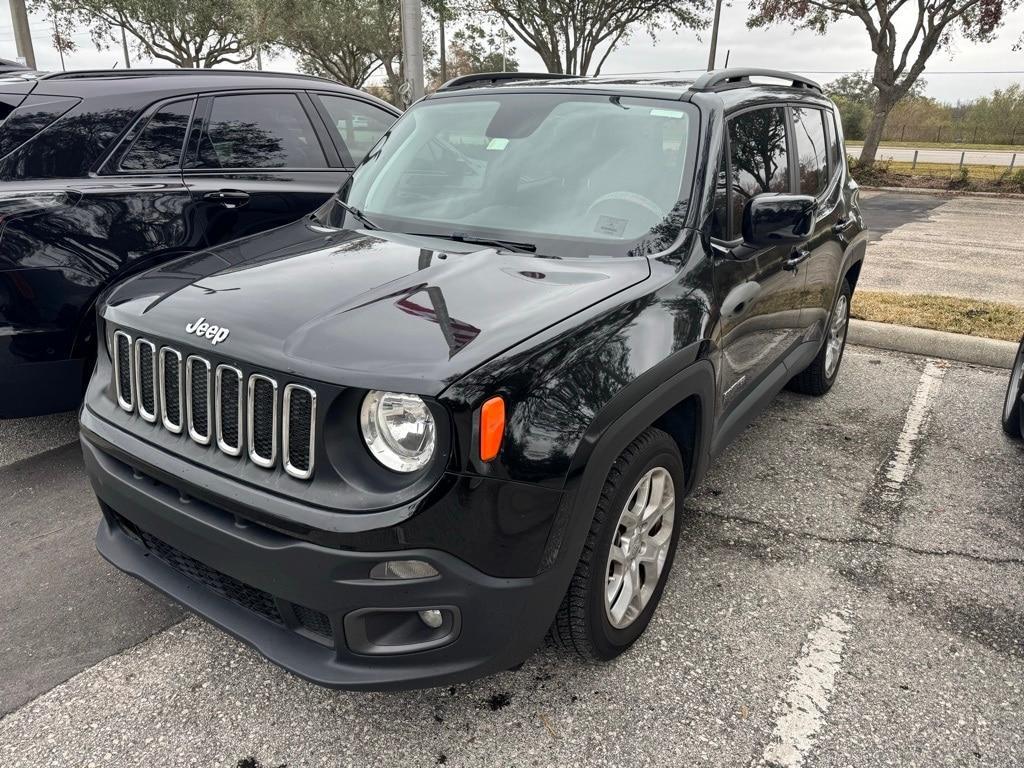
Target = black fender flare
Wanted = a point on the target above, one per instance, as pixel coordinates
(686, 374)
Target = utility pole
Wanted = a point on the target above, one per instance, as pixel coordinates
(22, 33)
(412, 51)
(714, 35)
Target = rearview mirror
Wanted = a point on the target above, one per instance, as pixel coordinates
(778, 219)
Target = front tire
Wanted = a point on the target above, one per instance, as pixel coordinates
(628, 553)
(818, 377)
(1013, 414)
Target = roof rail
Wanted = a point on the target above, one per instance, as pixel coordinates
(94, 73)
(739, 77)
(497, 77)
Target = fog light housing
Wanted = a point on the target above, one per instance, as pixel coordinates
(391, 570)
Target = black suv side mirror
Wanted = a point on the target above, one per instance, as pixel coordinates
(776, 219)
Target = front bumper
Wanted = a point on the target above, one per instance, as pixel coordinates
(307, 607)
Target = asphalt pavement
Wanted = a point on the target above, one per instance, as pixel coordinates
(940, 244)
(849, 591)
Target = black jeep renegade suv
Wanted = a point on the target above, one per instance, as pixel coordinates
(107, 173)
(459, 407)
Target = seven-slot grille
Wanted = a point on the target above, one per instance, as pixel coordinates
(216, 405)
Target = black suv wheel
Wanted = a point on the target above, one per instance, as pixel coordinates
(628, 553)
(817, 378)
(1013, 415)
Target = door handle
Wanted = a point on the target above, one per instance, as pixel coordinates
(229, 198)
(796, 258)
(842, 225)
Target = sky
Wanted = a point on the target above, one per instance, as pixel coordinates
(961, 72)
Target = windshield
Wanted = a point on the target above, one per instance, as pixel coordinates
(569, 174)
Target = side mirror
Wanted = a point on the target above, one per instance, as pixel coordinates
(775, 219)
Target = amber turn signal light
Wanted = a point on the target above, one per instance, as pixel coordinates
(492, 427)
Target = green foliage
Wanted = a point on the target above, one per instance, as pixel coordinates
(473, 49)
(187, 33)
(576, 38)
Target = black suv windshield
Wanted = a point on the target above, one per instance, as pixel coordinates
(571, 174)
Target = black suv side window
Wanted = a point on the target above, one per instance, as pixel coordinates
(835, 146)
(811, 150)
(357, 123)
(260, 130)
(759, 161)
(160, 143)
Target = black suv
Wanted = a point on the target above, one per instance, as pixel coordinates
(103, 174)
(459, 407)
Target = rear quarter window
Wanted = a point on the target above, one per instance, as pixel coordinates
(58, 139)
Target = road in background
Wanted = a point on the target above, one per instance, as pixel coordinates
(944, 156)
(847, 591)
(941, 244)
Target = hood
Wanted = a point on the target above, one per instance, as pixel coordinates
(360, 308)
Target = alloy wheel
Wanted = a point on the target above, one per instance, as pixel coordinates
(639, 547)
(837, 335)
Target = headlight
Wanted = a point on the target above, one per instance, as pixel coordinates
(399, 430)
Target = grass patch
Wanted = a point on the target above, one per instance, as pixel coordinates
(943, 145)
(948, 176)
(991, 319)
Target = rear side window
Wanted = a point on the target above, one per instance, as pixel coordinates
(265, 130)
(758, 158)
(358, 124)
(7, 104)
(34, 115)
(811, 150)
(160, 143)
(834, 144)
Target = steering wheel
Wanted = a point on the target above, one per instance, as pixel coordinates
(629, 197)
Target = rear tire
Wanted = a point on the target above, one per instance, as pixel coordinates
(818, 377)
(623, 568)
(1013, 414)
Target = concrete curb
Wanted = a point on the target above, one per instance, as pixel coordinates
(921, 341)
(944, 192)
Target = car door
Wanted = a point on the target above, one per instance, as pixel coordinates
(817, 161)
(258, 160)
(759, 291)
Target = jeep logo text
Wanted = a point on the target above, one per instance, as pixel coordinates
(204, 330)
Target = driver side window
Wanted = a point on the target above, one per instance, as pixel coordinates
(759, 161)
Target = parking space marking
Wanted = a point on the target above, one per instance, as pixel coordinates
(802, 707)
(901, 464)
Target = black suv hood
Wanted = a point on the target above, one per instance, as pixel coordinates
(374, 310)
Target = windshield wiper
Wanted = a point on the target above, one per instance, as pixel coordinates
(508, 245)
(356, 212)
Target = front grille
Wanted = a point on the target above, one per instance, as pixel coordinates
(262, 420)
(314, 621)
(190, 395)
(145, 378)
(170, 389)
(229, 409)
(123, 382)
(299, 417)
(241, 594)
(197, 385)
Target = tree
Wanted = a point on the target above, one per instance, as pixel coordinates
(346, 40)
(897, 66)
(855, 95)
(474, 50)
(576, 36)
(187, 33)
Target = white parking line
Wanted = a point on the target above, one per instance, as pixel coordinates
(902, 462)
(802, 708)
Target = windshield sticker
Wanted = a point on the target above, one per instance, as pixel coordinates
(609, 225)
(666, 113)
(496, 145)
